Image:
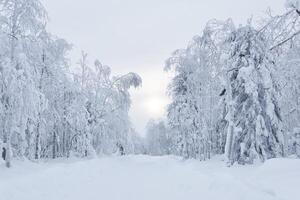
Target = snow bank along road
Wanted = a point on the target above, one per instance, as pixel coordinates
(150, 178)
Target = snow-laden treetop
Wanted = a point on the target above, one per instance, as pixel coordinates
(293, 4)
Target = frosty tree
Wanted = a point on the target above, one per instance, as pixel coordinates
(254, 73)
(255, 123)
(157, 138)
(21, 21)
(183, 113)
(45, 111)
(234, 91)
(194, 90)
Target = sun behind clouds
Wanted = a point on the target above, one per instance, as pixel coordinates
(155, 106)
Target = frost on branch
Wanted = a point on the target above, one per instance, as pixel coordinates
(295, 4)
(129, 80)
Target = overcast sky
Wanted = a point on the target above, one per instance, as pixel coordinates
(139, 35)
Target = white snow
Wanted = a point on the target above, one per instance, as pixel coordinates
(150, 178)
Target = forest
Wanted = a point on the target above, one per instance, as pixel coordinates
(235, 92)
(231, 130)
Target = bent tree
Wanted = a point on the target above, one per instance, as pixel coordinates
(255, 127)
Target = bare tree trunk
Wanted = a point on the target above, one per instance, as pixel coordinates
(37, 143)
(230, 130)
(297, 104)
(54, 145)
(8, 109)
(229, 138)
(38, 134)
(64, 135)
(8, 155)
(7, 140)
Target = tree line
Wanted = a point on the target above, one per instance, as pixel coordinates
(48, 109)
(235, 92)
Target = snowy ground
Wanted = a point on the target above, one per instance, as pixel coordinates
(150, 178)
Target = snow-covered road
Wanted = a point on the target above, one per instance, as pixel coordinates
(150, 178)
